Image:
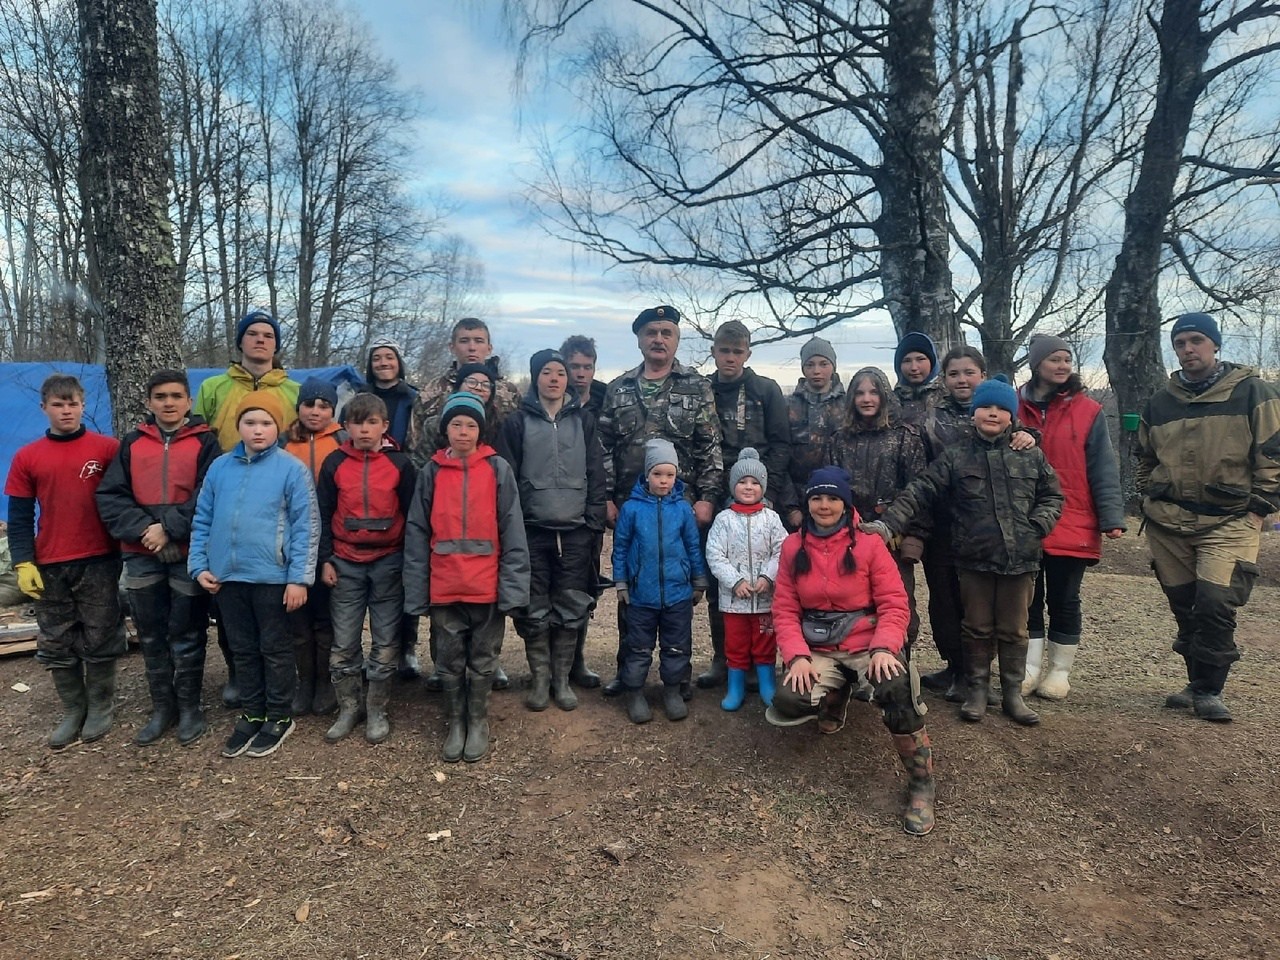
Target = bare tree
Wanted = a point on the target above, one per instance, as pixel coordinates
(124, 180)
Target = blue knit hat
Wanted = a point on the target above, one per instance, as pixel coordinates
(916, 343)
(257, 316)
(313, 388)
(1200, 323)
(463, 403)
(995, 393)
(833, 481)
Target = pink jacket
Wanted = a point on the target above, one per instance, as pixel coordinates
(875, 582)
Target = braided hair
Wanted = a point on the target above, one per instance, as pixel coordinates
(801, 564)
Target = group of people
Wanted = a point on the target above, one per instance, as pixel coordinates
(801, 519)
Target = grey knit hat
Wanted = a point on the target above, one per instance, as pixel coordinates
(1041, 345)
(748, 464)
(817, 347)
(658, 451)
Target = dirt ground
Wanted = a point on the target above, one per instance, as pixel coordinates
(1117, 828)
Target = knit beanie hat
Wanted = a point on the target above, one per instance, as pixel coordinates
(995, 393)
(817, 347)
(1200, 323)
(658, 451)
(1041, 345)
(462, 404)
(265, 400)
(669, 314)
(542, 358)
(733, 331)
(748, 464)
(257, 316)
(833, 481)
(377, 344)
(470, 369)
(916, 343)
(313, 388)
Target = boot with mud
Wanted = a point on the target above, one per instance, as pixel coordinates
(1035, 663)
(638, 707)
(69, 682)
(1055, 684)
(164, 706)
(455, 715)
(188, 684)
(1184, 698)
(326, 698)
(1207, 698)
(100, 691)
(1013, 669)
(581, 675)
(537, 650)
(477, 744)
(376, 725)
(977, 657)
(563, 645)
(350, 708)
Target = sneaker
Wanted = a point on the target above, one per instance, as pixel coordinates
(269, 738)
(242, 735)
(782, 720)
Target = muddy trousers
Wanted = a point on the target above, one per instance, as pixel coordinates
(79, 613)
(1206, 577)
(468, 639)
(376, 587)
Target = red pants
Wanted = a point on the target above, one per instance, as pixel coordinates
(747, 642)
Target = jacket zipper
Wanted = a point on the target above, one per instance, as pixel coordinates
(662, 567)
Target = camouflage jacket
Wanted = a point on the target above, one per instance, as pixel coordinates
(944, 424)
(683, 411)
(1002, 503)
(916, 402)
(753, 413)
(814, 421)
(424, 422)
(881, 463)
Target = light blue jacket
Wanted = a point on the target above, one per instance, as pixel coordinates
(256, 520)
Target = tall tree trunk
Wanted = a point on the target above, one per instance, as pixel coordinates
(125, 197)
(915, 262)
(1135, 364)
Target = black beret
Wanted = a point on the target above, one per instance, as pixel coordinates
(669, 314)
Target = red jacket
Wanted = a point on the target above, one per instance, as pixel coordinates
(1064, 428)
(465, 541)
(363, 499)
(874, 583)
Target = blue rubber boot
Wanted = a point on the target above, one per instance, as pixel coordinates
(764, 673)
(737, 690)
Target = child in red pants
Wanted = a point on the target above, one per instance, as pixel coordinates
(743, 548)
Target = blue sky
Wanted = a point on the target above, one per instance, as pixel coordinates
(474, 146)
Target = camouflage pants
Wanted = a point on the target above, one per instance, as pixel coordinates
(79, 614)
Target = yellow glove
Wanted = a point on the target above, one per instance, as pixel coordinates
(29, 580)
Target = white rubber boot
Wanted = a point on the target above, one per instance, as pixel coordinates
(1035, 660)
(1054, 685)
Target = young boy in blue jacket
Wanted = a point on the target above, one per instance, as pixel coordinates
(658, 571)
(254, 544)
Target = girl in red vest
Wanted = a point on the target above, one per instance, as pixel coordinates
(1073, 434)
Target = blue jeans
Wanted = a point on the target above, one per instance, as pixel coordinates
(672, 628)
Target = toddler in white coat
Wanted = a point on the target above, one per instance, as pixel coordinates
(743, 548)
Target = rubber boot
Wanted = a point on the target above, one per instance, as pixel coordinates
(69, 682)
(350, 709)
(376, 725)
(717, 673)
(767, 682)
(408, 668)
(977, 656)
(164, 706)
(188, 684)
(581, 675)
(638, 707)
(736, 680)
(1013, 669)
(1207, 698)
(940, 681)
(477, 743)
(917, 758)
(537, 650)
(455, 716)
(326, 699)
(1184, 698)
(673, 703)
(100, 690)
(564, 641)
(435, 682)
(230, 689)
(1055, 684)
(304, 658)
(1035, 663)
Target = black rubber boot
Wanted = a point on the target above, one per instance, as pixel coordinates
(164, 705)
(581, 675)
(1184, 698)
(435, 682)
(673, 704)
(916, 754)
(455, 715)
(230, 689)
(376, 725)
(100, 691)
(977, 656)
(1207, 699)
(638, 707)
(188, 683)
(537, 650)
(477, 743)
(940, 681)
(716, 674)
(326, 699)
(69, 682)
(408, 668)
(564, 641)
(350, 708)
(1013, 670)
(304, 658)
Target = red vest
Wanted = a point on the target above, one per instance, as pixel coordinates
(465, 545)
(162, 474)
(1064, 429)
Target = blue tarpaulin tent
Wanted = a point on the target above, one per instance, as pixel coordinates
(21, 419)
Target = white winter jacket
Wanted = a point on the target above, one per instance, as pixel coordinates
(745, 546)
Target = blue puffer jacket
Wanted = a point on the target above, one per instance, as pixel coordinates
(256, 520)
(656, 551)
